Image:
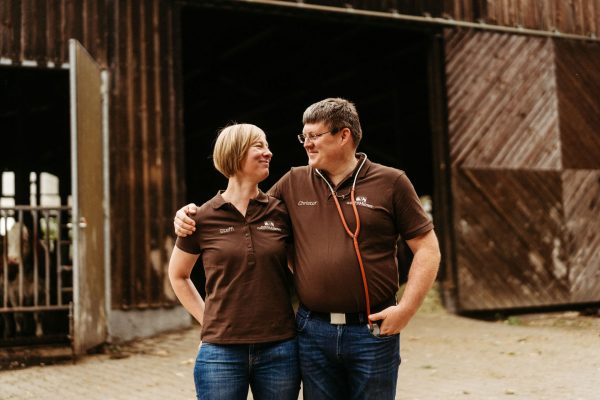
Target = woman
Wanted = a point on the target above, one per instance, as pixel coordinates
(248, 329)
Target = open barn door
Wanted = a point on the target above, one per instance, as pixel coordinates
(88, 201)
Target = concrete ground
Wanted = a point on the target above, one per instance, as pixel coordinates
(443, 357)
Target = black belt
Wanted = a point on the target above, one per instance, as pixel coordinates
(355, 318)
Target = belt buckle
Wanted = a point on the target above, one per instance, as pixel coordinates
(337, 318)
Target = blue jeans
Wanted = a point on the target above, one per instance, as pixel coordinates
(345, 361)
(270, 369)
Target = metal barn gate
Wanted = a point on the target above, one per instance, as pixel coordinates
(52, 263)
(36, 274)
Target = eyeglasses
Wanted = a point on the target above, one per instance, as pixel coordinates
(311, 138)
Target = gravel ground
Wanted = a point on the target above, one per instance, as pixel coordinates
(444, 356)
(545, 356)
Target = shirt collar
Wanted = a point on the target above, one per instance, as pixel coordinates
(363, 171)
(261, 197)
(218, 201)
(360, 157)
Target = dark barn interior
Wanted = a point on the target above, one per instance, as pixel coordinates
(34, 116)
(34, 121)
(266, 68)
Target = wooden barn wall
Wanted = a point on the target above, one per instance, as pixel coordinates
(578, 91)
(523, 143)
(144, 150)
(580, 17)
(39, 30)
(136, 41)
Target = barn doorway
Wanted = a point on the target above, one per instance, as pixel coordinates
(35, 188)
(54, 211)
(265, 66)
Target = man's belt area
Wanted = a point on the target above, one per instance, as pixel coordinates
(356, 318)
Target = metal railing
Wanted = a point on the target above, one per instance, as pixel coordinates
(35, 263)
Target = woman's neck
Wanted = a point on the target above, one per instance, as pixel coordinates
(239, 192)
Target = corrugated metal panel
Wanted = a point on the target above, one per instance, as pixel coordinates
(136, 41)
(502, 101)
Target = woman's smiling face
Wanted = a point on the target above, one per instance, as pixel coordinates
(256, 164)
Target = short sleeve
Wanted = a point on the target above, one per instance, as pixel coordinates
(278, 189)
(410, 218)
(189, 244)
(288, 223)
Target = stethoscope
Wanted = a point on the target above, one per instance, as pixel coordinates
(373, 328)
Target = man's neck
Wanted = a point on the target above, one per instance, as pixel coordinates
(342, 170)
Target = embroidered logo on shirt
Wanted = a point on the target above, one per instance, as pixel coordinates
(226, 230)
(307, 203)
(269, 226)
(361, 201)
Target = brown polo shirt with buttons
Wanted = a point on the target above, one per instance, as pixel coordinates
(327, 274)
(245, 261)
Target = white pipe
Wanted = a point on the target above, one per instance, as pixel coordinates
(426, 20)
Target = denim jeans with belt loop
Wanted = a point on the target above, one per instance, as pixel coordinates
(345, 361)
(224, 372)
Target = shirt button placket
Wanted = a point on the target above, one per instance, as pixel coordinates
(250, 248)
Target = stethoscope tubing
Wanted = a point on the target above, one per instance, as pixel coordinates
(353, 235)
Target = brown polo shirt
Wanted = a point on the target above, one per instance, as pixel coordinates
(327, 274)
(247, 283)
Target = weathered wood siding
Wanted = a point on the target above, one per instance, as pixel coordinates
(582, 210)
(136, 41)
(578, 91)
(145, 141)
(524, 142)
(577, 70)
(502, 101)
(39, 30)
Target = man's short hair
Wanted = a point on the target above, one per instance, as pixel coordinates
(232, 145)
(336, 113)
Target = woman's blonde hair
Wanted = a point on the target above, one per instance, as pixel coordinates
(232, 145)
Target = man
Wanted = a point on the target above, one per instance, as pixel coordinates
(347, 213)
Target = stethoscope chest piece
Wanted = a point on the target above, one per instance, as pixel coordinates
(374, 329)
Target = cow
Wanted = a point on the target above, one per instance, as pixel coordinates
(20, 248)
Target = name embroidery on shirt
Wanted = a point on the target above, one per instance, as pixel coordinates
(269, 226)
(307, 203)
(226, 230)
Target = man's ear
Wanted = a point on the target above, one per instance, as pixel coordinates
(346, 135)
